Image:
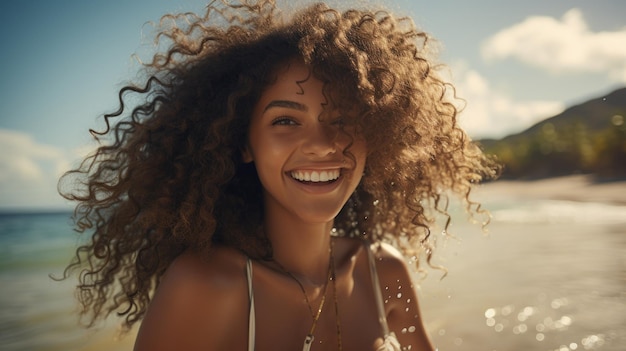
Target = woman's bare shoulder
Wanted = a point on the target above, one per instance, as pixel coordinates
(221, 269)
(200, 303)
(401, 305)
(393, 272)
(388, 257)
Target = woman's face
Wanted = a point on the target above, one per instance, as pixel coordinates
(300, 158)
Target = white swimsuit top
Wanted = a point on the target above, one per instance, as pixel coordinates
(390, 342)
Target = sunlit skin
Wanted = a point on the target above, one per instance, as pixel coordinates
(208, 296)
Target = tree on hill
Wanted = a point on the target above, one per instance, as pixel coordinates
(586, 138)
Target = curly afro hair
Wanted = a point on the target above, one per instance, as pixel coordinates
(169, 175)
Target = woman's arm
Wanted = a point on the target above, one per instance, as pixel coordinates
(403, 313)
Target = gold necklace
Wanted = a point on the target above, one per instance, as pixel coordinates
(333, 280)
(308, 340)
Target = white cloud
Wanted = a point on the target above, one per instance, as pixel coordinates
(561, 46)
(491, 113)
(29, 171)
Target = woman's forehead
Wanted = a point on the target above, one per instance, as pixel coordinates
(294, 76)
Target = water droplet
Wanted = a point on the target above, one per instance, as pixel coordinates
(540, 336)
(490, 313)
(490, 322)
(399, 287)
(386, 301)
(507, 310)
(399, 295)
(403, 330)
(617, 120)
(412, 329)
(376, 202)
(386, 288)
(573, 346)
(499, 327)
(408, 300)
(442, 332)
(566, 320)
(548, 322)
(590, 341)
(406, 309)
(520, 329)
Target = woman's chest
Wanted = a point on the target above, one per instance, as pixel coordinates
(348, 319)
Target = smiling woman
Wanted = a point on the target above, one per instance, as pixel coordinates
(263, 193)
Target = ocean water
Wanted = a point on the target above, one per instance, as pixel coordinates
(550, 275)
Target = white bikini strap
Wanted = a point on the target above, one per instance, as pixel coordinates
(379, 297)
(251, 315)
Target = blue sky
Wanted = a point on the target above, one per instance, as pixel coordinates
(516, 63)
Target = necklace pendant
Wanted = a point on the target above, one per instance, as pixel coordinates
(308, 341)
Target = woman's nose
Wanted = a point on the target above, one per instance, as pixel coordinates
(320, 141)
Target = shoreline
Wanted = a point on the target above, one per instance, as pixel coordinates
(578, 188)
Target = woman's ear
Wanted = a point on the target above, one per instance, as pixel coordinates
(246, 155)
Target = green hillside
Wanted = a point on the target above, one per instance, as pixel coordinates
(586, 138)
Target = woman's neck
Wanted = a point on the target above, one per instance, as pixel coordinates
(303, 249)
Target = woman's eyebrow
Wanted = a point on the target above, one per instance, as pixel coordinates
(287, 104)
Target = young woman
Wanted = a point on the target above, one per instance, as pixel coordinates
(266, 191)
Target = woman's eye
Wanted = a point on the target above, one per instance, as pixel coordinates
(284, 121)
(339, 121)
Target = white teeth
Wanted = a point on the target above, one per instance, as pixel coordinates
(315, 176)
(324, 176)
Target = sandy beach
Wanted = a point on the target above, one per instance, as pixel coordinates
(581, 188)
